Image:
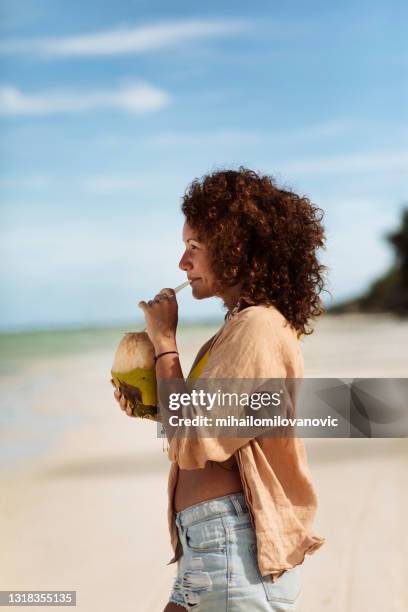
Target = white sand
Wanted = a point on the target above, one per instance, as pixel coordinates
(89, 514)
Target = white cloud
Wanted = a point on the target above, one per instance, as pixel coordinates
(120, 41)
(133, 98)
(207, 138)
(104, 184)
(33, 181)
(354, 162)
(110, 184)
(241, 137)
(324, 129)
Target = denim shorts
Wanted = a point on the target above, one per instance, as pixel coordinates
(218, 570)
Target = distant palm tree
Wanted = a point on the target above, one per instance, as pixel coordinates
(399, 240)
(389, 293)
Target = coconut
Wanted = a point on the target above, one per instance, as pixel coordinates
(133, 373)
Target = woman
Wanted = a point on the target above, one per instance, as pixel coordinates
(241, 509)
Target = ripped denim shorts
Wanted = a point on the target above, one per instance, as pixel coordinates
(218, 570)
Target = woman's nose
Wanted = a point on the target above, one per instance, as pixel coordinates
(184, 263)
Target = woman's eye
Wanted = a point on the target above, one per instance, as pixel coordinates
(193, 247)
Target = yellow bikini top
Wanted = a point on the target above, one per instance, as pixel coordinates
(198, 368)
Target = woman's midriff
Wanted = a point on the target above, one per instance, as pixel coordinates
(215, 480)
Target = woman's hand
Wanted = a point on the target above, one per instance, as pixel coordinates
(122, 401)
(161, 316)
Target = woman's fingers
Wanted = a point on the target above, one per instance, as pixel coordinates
(124, 404)
(167, 293)
(164, 295)
(120, 399)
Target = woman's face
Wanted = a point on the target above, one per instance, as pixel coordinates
(195, 262)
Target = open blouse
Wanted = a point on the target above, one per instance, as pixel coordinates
(257, 343)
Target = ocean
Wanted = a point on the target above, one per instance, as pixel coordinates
(56, 381)
(40, 376)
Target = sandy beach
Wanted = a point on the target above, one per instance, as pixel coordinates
(83, 504)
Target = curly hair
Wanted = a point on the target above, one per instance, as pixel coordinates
(263, 237)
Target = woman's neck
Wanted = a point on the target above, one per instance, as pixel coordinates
(231, 296)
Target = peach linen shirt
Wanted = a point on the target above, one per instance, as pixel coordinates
(258, 343)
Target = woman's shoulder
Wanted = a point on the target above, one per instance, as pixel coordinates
(257, 342)
(258, 325)
(259, 317)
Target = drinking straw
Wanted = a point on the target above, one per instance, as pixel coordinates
(180, 287)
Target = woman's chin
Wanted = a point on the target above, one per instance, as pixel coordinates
(199, 293)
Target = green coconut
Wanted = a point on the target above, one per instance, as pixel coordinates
(133, 373)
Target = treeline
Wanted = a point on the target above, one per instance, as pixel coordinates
(389, 293)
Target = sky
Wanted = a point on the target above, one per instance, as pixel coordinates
(109, 110)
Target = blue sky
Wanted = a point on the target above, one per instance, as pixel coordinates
(108, 111)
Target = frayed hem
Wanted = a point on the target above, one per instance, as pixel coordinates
(184, 605)
(310, 550)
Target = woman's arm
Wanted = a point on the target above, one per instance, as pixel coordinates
(161, 316)
(170, 379)
(167, 366)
